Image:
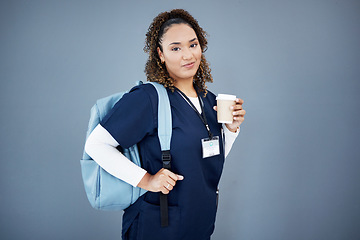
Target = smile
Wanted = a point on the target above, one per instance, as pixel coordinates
(189, 65)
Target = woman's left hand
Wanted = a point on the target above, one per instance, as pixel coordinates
(238, 113)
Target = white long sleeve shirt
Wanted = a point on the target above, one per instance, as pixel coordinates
(101, 147)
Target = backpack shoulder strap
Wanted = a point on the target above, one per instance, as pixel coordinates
(164, 117)
(164, 134)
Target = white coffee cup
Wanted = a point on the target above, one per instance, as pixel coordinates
(224, 113)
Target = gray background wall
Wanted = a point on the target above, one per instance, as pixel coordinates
(293, 172)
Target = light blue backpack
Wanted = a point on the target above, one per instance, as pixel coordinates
(104, 191)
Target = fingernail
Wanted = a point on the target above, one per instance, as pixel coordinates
(180, 177)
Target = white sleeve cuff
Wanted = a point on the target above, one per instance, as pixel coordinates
(101, 147)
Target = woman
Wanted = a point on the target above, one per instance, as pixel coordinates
(175, 44)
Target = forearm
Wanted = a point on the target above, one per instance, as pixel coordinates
(229, 138)
(101, 147)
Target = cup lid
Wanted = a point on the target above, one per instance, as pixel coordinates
(226, 97)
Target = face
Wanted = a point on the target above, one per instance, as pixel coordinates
(181, 52)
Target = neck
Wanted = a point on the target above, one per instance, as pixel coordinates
(187, 87)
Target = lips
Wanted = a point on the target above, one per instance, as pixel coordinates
(189, 65)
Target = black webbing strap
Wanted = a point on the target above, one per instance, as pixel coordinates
(166, 159)
(164, 210)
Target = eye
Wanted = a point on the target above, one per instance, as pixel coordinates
(175, 49)
(193, 45)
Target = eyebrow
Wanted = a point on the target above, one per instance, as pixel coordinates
(177, 43)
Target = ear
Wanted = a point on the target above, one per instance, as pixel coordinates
(161, 55)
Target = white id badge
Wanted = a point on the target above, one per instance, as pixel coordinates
(210, 147)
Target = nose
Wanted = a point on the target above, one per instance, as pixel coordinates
(187, 54)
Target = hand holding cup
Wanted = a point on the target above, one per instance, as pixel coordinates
(230, 111)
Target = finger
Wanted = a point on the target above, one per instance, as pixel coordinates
(239, 101)
(215, 108)
(164, 190)
(169, 187)
(236, 107)
(180, 177)
(174, 176)
(239, 113)
(170, 181)
(240, 119)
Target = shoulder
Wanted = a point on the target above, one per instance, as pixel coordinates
(211, 97)
(138, 103)
(141, 97)
(144, 95)
(144, 91)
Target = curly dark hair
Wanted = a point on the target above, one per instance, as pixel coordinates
(154, 69)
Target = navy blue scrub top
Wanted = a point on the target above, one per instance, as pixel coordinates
(192, 202)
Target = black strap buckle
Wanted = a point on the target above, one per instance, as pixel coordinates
(166, 159)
